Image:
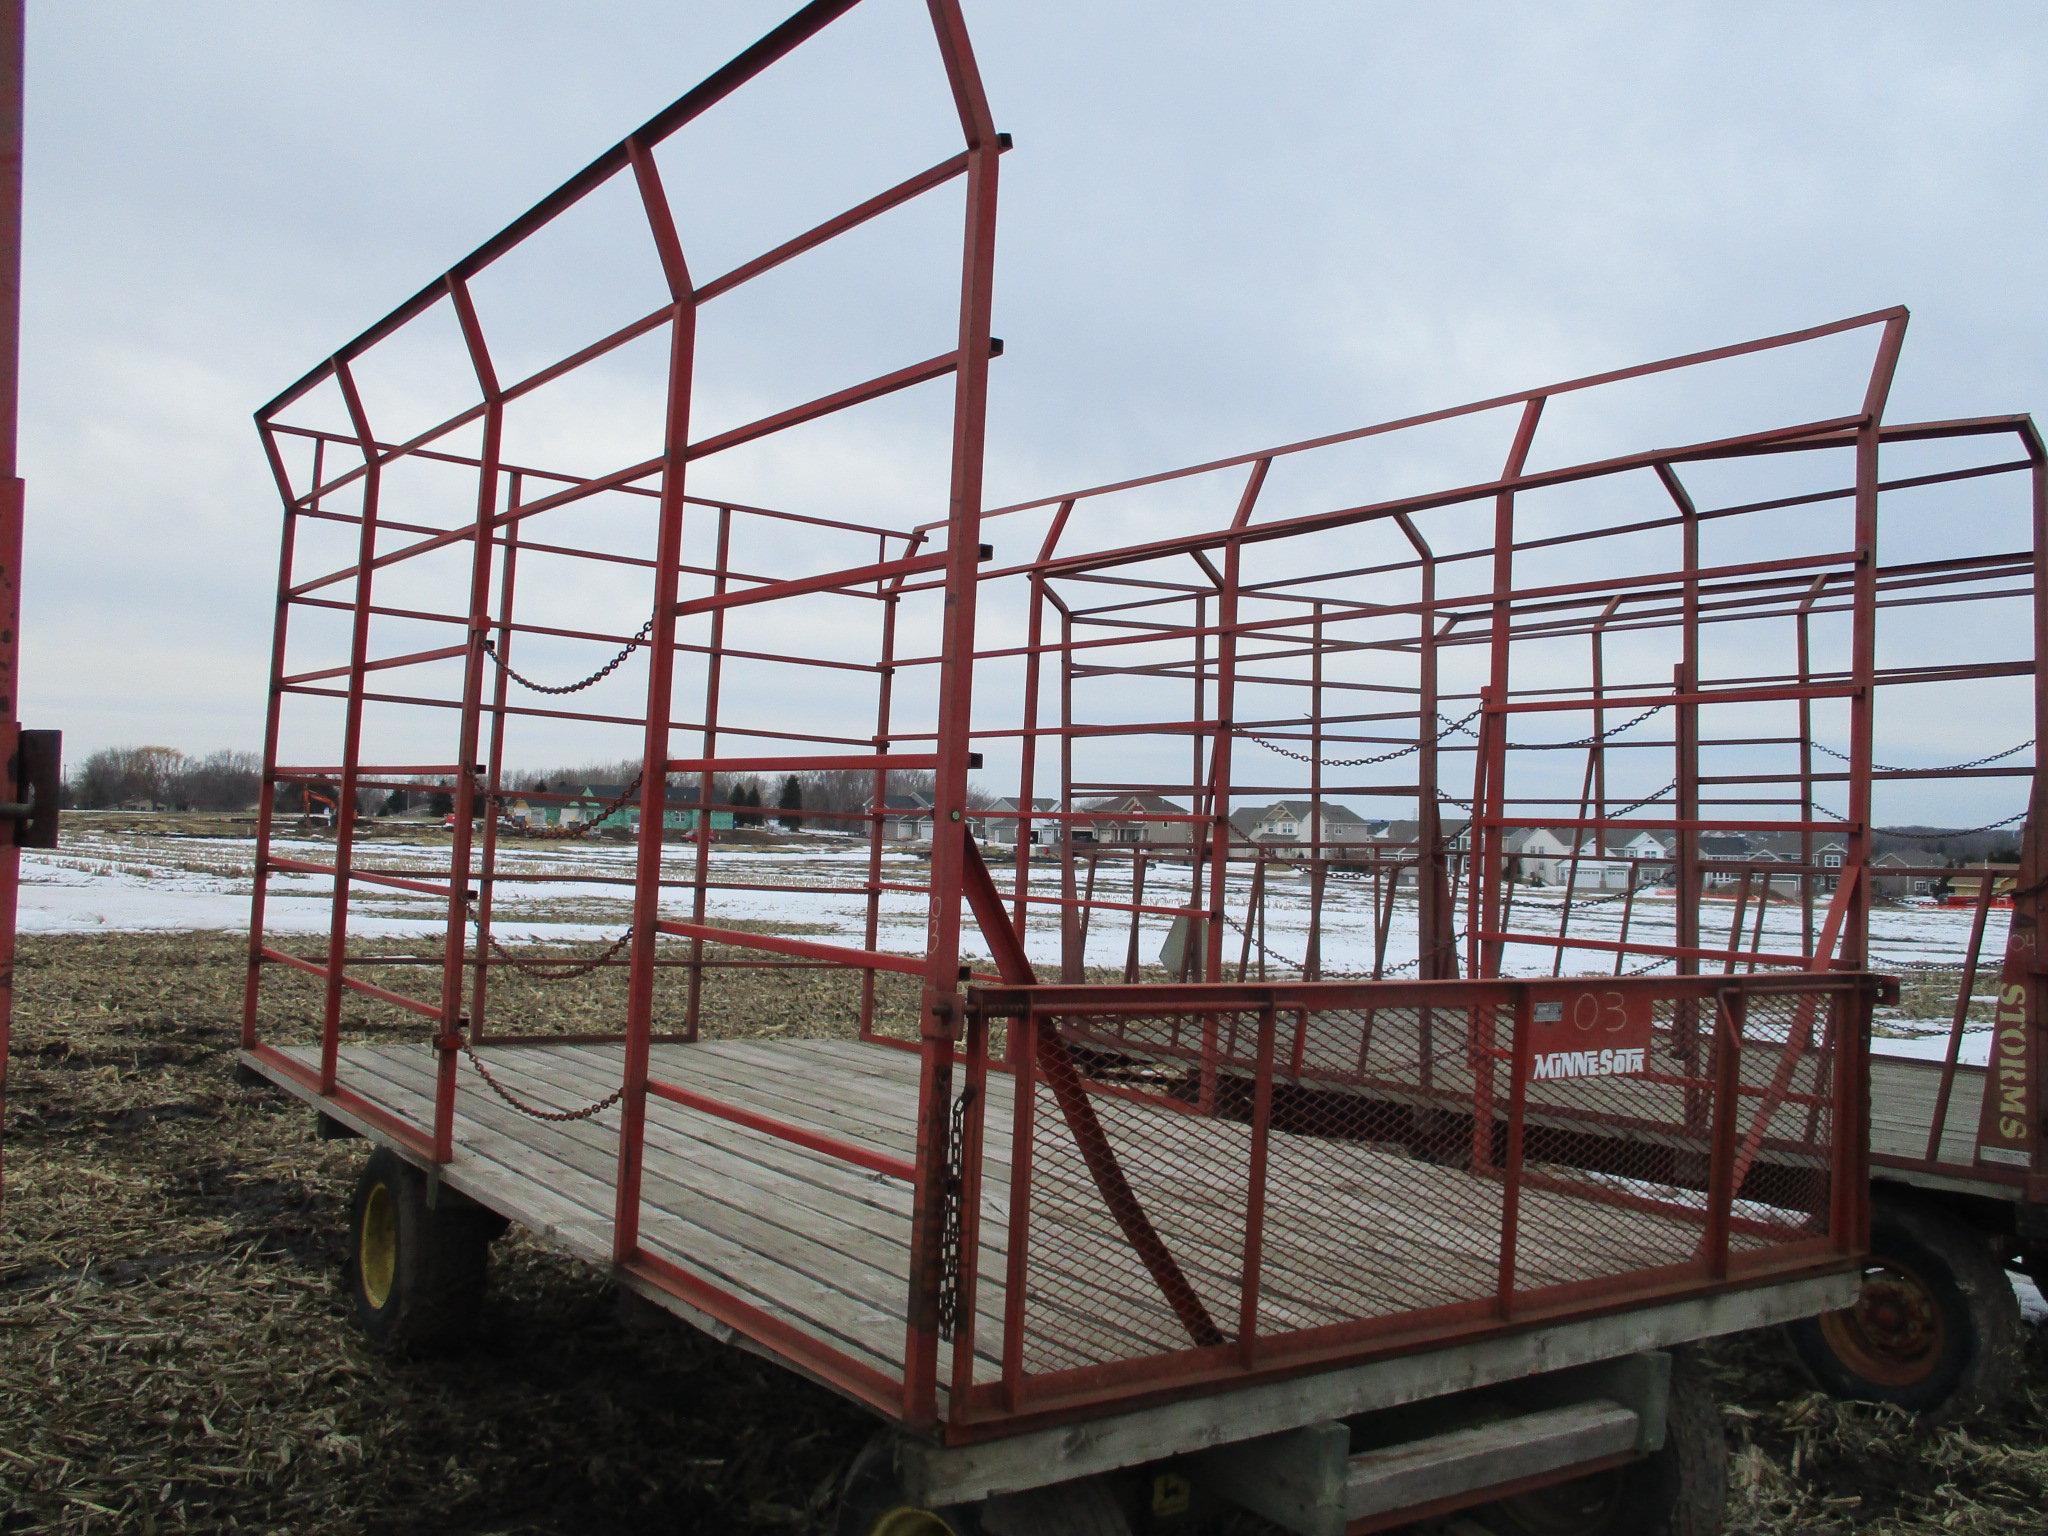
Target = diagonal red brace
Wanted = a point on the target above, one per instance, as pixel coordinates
(1056, 1066)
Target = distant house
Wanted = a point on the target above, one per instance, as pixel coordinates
(1651, 853)
(1002, 827)
(1536, 854)
(1455, 832)
(1723, 849)
(1109, 823)
(1296, 823)
(598, 806)
(1887, 879)
(906, 817)
(1966, 886)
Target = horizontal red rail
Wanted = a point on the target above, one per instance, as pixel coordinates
(783, 1130)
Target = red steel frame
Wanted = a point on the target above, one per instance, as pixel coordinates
(11, 506)
(1224, 634)
(1147, 610)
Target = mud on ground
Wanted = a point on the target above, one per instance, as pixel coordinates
(176, 1354)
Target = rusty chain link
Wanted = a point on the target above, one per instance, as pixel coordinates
(1975, 762)
(1931, 837)
(640, 638)
(1359, 762)
(558, 1116)
(566, 969)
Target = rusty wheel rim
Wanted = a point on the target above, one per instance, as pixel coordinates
(1895, 1334)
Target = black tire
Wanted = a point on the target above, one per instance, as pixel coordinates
(872, 1502)
(1937, 1329)
(1680, 1489)
(415, 1275)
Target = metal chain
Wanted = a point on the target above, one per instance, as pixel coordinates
(1287, 962)
(588, 824)
(1359, 762)
(1623, 810)
(949, 1235)
(640, 638)
(1975, 762)
(558, 1116)
(1597, 736)
(1637, 805)
(1932, 837)
(565, 969)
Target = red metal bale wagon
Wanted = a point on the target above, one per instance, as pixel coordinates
(1057, 1234)
(1652, 767)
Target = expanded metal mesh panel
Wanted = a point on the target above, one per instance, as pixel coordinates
(1371, 1209)
(1315, 1167)
(1090, 1294)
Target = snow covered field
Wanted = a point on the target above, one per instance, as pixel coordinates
(125, 880)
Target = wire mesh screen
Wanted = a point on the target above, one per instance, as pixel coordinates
(1099, 1287)
(1301, 1162)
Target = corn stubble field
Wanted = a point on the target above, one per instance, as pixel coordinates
(176, 1351)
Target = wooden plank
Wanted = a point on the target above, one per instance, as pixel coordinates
(1461, 1255)
(852, 1323)
(729, 1191)
(816, 1240)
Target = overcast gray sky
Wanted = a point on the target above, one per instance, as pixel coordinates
(1224, 225)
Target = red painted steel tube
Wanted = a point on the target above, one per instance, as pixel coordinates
(939, 1005)
(13, 504)
(1478, 407)
(266, 794)
(1255, 1192)
(835, 582)
(1730, 1015)
(660, 675)
(351, 745)
(782, 1130)
(721, 83)
(494, 769)
(714, 673)
(810, 949)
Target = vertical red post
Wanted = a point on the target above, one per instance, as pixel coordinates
(483, 543)
(352, 727)
(707, 782)
(1731, 1010)
(11, 497)
(266, 793)
(878, 796)
(940, 1005)
(1255, 1190)
(1486, 828)
(1023, 1031)
(1226, 707)
(661, 658)
(495, 769)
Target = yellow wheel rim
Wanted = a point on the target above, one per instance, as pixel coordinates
(377, 1247)
(910, 1522)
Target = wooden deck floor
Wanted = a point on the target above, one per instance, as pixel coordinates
(1902, 1095)
(1353, 1230)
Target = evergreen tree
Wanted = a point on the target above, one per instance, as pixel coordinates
(792, 799)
